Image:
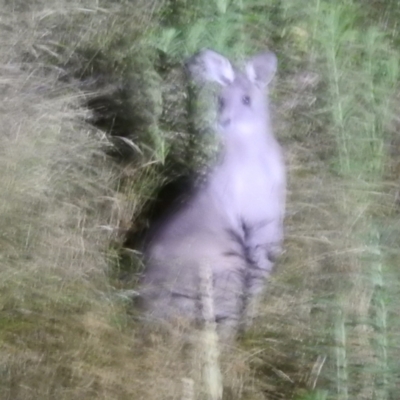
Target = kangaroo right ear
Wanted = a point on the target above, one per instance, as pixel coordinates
(207, 65)
(262, 68)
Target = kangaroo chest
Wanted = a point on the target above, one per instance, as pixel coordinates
(246, 188)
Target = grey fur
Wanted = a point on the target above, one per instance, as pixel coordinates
(233, 223)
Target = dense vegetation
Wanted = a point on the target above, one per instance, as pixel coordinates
(95, 120)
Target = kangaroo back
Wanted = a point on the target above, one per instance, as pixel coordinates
(233, 223)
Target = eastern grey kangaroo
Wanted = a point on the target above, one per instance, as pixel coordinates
(233, 222)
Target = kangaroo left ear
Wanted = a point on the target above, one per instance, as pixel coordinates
(208, 65)
(262, 68)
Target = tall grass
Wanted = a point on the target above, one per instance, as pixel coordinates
(362, 79)
(328, 327)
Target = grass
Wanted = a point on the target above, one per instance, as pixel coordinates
(95, 119)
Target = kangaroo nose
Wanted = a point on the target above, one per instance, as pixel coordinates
(225, 122)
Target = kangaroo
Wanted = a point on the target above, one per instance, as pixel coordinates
(233, 222)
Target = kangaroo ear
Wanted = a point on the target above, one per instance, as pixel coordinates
(207, 65)
(262, 68)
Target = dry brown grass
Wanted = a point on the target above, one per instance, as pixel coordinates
(64, 334)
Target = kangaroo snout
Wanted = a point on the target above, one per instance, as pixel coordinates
(224, 122)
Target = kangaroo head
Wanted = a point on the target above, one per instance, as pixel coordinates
(242, 99)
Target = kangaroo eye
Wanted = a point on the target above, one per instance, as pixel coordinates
(221, 103)
(246, 100)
